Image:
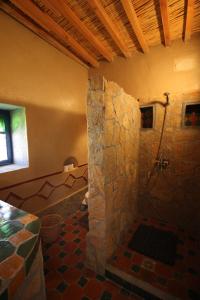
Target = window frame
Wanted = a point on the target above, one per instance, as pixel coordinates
(7, 119)
(184, 113)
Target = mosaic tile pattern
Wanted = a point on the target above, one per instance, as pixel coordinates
(19, 239)
(65, 273)
(181, 280)
(10, 228)
(6, 249)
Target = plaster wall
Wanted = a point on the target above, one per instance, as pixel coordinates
(53, 90)
(175, 69)
(113, 133)
(54, 192)
(173, 194)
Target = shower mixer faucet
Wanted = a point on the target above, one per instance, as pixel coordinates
(162, 163)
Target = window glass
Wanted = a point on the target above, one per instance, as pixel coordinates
(6, 156)
(2, 124)
(3, 147)
(13, 138)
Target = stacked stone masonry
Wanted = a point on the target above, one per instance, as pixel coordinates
(113, 138)
(173, 194)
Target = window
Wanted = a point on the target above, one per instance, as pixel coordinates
(147, 116)
(13, 138)
(6, 152)
(191, 115)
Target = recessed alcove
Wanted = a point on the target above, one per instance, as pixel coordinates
(191, 115)
(147, 117)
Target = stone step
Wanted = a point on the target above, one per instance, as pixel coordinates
(136, 286)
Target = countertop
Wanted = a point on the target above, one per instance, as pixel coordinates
(19, 241)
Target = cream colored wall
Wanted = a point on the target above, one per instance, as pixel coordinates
(175, 69)
(53, 89)
(172, 194)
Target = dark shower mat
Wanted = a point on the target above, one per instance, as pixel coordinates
(83, 221)
(155, 243)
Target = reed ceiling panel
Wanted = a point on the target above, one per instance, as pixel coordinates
(148, 14)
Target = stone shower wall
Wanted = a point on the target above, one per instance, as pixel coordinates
(113, 137)
(172, 194)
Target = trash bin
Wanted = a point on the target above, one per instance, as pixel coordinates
(51, 227)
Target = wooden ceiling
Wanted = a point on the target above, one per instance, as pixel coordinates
(90, 31)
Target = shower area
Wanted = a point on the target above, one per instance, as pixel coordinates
(143, 203)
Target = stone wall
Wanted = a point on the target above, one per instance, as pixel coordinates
(172, 194)
(113, 133)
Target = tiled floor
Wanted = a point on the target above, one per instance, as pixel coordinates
(182, 280)
(65, 273)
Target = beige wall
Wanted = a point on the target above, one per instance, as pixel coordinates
(175, 69)
(53, 89)
(172, 194)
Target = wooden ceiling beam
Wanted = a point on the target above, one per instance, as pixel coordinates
(133, 19)
(165, 21)
(99, 10)
(51, 26)
(40, 32)
(68, 13)
(189, 17)
(52, 7)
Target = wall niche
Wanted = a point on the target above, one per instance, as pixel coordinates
(191, 115)
(147, 117)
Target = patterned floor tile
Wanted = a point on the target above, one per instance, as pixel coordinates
(62, 287)
(54, 295)
(68, 278)
(94, 289)
(65, 271)
(181, 280)
(73, 292)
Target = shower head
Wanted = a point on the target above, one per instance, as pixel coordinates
(166, 94)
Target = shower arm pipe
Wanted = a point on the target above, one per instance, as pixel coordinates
(160, 102)
(163, 124)
(162, 132)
